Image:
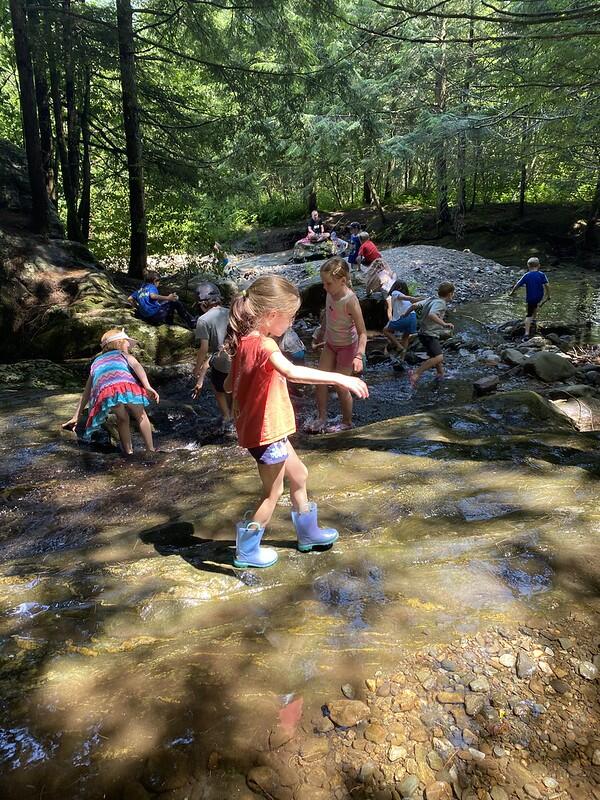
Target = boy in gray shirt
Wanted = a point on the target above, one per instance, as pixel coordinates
(431, 327)
(211, 329)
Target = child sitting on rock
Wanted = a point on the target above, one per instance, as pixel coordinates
(536, 292)
(117, 384)
(156, 308)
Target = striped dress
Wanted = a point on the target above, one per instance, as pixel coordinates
(112, 383)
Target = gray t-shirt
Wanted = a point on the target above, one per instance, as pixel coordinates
(213, 326)
(427, 325)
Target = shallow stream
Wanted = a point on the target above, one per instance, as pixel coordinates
(125, 631)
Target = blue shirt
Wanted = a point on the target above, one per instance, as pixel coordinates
(147, 306)
(354, 246)
(534, 285)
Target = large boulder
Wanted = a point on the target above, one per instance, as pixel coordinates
(73, 329)
(550, 367)
(514, 357)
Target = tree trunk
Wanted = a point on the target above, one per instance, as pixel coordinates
(70, 99)
(375, 199)
(367, 199)
(31, 133)
(475, 176)
(387, 187)
(84, 209)
(444, 218)
(133, 141)
(461, 161)
(73, 229)
(523, 172)
(42, 97)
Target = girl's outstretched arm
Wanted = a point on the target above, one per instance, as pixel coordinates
(140, 373)
(83, 401)
(298, 374)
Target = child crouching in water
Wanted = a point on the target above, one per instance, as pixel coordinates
(118, 383)
(345, 338)
(264, 416)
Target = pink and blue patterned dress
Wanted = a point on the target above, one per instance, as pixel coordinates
(113, 383)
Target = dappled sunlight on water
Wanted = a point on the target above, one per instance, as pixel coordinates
(124, 626)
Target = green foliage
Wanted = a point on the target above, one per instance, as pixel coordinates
(245, 110)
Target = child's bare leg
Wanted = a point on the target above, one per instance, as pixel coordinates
(122, 416)
(271, 476)
(429, 364)
(326, 363)
(528, 321)
(297, 475)
(140, 416)
(391, 338)
(345, 398)
(404, 343)
(223, 404)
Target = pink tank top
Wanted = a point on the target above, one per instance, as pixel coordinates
(340, 328)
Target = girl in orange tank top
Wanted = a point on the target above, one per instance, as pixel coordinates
(264, 417)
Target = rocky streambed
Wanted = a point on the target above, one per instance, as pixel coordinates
(446, 646)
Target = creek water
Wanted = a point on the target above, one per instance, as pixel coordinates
(125, 630)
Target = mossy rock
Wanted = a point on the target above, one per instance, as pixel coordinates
(37, 374)
(74, 331)
(70, 335)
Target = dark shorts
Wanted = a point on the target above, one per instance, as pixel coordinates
(432, 345)
(274, 453)
(217, 378)
(532, 307)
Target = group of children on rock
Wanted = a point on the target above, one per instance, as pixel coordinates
(238, 348)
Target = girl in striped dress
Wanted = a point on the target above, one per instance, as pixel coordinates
(117, 384)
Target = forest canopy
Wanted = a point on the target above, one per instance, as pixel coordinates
(247, 111)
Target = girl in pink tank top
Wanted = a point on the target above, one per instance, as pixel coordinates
(345, 340)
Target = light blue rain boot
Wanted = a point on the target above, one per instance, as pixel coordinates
(248, 552)
(308, 532)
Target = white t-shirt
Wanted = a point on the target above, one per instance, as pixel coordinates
(399, 305)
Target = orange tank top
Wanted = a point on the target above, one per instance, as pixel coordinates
(262, 408)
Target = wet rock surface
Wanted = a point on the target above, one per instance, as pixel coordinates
(135, 655)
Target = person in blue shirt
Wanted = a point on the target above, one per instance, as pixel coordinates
(156, 308)
(354, 244)
(536, 291)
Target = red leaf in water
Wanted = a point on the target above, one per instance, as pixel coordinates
(289, 716)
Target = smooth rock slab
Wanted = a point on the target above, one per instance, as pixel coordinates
(588, 671)
(480, 684)
(560, 686)
(375, 733)
(347, 713)
(507, 660)
(525, 666)
(450, 698)
(440, 790)
(395, 753)
(408, 786)
(314, 749)
(474, 703)
(498, 793)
